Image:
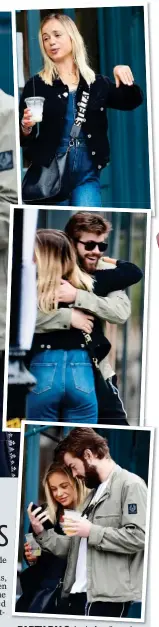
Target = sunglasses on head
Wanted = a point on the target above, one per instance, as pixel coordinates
(91, 245)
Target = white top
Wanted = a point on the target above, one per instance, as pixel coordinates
(80, 584)
(72, 88)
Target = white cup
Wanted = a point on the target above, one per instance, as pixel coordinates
(36, 104)
(70, 515)
(35, 548)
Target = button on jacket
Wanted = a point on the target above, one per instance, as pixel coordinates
(42, 144)
(115, 547)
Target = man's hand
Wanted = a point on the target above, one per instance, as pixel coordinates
(79, 527)
(123, 74)
(82, 321)
(37, 518)
(67, 293)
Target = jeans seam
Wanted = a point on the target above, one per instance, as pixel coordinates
(64, 372)
(75, 160)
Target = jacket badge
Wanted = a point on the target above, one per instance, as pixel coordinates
(6, 160)
(132, 508)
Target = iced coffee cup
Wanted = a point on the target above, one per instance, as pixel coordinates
(35, 548)
(36, 104)
(70, 515)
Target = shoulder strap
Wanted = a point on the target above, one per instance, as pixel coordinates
(80, 118)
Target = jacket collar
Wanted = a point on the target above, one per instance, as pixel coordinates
(107, 491)
(81, 85)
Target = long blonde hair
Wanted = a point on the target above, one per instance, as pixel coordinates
(79, 53)
(56, 259)
(80, 491)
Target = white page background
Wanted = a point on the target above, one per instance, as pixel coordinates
(8, 487)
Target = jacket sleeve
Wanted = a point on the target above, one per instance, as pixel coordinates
(130, 537)
(114, 308)
(4, 225)
(124, 97)
(26, 140)
(51, 542)
(60, 319)
(121, 277)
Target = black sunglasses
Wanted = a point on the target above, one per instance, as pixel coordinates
(90, 245)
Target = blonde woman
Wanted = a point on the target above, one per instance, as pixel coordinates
(38, 583)
(60, 361)
(65, 76)
(63, 360)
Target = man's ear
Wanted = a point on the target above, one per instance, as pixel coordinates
(88, 455)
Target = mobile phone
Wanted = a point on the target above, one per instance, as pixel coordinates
(47, 524)
(43, 507)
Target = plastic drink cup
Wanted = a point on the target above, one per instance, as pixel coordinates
(36, 104)
(70, 515)
(35, 548)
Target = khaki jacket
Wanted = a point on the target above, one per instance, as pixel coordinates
(114, 308)
(8, 194)
(115, 547)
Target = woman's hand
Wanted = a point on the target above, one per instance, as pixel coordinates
(82, 321)
(67, 293)
(30, 558)
(109, 260)
(27, 122)
(37, 518)
(123, 74)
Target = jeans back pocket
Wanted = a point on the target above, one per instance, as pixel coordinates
(44, 374)
(83, 377)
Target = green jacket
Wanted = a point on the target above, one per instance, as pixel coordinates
(8, 194)
(114, 308)
(115, 548)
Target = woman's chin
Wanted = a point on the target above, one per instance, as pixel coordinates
(65, 503)
(56, 57)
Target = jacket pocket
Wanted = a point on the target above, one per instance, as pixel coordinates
(113, 520)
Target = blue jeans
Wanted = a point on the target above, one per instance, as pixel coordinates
(85, 188)
(65, 387)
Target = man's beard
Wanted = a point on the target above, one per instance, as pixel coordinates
(91, 478)
(86, 265)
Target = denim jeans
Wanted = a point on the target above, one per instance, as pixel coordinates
(85, 188)
(84, 176)
(65, 387)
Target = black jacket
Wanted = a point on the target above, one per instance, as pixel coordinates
(45, 574)
(40, 148)
(9, 442)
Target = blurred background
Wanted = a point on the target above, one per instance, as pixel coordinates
(6, 69)
(128, 447)
(113, 36)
